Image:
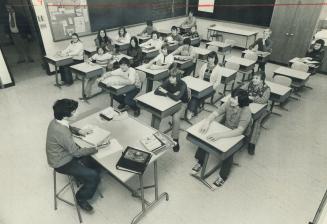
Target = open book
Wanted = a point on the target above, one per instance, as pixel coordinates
(96, 138)
(157, 142)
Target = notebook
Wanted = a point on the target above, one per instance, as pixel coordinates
(96, 138)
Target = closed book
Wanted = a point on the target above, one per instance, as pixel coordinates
(133, 160)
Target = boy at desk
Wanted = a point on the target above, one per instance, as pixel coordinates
(259, 92)
(163, 60)
(176, 89)
(175, 36)
(66, 157)
(123, 76)
(237, 116)
(186, 52)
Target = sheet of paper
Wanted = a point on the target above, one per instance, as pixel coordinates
(114, 147)
(79, 24)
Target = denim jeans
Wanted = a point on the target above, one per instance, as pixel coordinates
(66, 74)
(128, 98)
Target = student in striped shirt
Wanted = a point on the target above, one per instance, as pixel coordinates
(101, 58)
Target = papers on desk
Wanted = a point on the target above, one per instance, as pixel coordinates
(157, 142)
(96, 138)
(112, 148)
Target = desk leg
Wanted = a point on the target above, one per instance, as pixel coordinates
(155, 122)
(149, 85)
(111, 99)
(57, 78)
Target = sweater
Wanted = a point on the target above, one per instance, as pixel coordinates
(172, 89)
(136, 53)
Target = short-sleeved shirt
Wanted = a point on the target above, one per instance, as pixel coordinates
(164, 60)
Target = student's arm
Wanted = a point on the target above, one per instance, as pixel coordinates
(97, 42)
(268, 46)
(76, 50)
(132, 76)
(202, 71)
(177, 96)
(67, 49)
(245, 86)
(163, 86)
(264, 98)
(215, 78)
(177, 51)
(207, 121)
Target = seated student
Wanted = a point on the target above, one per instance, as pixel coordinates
(125, 75)
(76, 50)
(193, 32)
(175, 36)
(186, 52)
(163, 60)
(149, 28)
(176, 89)
(264, 44)
(259, 92)
(316, 52)
(153, 42)
(102, 40)
(135, 51)
(189, 22)
(237, 115)
(101, 58)
(123, 36)
(208, 72)
(66, 157)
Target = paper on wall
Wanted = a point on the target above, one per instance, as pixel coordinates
(206, 5)
(79, 24)
(69, 11)
(70, 21)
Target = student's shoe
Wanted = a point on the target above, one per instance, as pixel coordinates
(219, 182)
(176, 147)
(85, 206)
(251, 149)
(121, 106)
(189, 115)
(196, 168)
(137, 112)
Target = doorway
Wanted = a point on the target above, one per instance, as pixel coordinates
(23, 51)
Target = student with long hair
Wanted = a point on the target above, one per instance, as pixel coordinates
(123, 36)
(135, 51)
(102, 40)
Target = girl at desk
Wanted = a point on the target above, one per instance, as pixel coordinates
(153, 42)
(208, 72)
(259, 92)
(135, 51)
(75, 49)
(123, 36)
(264, 44)
(186, 52)
(163, 60)
(316, 52)
(101, 58)
(102, 40)
(176, 89)
(237, 116)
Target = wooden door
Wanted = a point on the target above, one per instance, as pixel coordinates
(281, 24)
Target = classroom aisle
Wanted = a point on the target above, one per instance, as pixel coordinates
(283, 183)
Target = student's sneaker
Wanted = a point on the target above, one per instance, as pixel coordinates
(189, 115)
(251, 149)
(176, 147)
(121, 106)
(137, 112)
(85, 206)
(196, 168)
(219, 182)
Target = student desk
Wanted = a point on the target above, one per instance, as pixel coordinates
(183, 64)
(115, 90)
(313, 65)
(199, 88)
(58, 61)
(222, 47)
(262, 55)
(185, 29)
(143, 38)
(278, 93)
(202, 53)
(249, 36)
(227, 76)
(257, 109)
(152, 75)
(172, 46)
(194, 40)
(159, 106)
(149, 53)
(90, 50)
(123, 131)
(299, 78)
(164, 33)
(121, 46)
(87, 71)
(246, 65)
(223, 148)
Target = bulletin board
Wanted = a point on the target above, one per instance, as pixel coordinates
(67, 17)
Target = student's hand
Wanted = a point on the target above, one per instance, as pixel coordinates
(85, 132)
(177, 93)
(251, 97)
(214, 137)
(204, 127)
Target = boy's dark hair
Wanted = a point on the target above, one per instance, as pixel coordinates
(124, 61)
(173, 28)
(104, 50)
(320, 41)
(187, 41)
(243, 97)
(213, 54)
(155, 32)
(64, 108)
(165, 46)
(149, 23)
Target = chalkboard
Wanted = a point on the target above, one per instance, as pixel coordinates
(255, 12)
(115, 13)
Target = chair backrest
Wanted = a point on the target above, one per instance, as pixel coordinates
(142, 77)
(300, 66)
(251, 56)
(232, 65)
(189, 94)
(283, 80)
(231, 42)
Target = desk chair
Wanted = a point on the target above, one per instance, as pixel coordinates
(285, 81)
(57, 194)
(301, 67)
(235, 67)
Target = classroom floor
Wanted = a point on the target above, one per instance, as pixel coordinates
(283, 183)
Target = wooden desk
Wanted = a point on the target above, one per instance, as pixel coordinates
(159, 106)
(87, 71)
(278, 93)
(143, 38)
(262, 55)
(58, 61)
(202, 53)
(227, 76)
(90, 50)
(299, 78)
(257, 109)
(152, 75)
(122, 46)
(194, 40)
(199, 88)
(119, 56)
(312, 66)
(246, 65)
(223, 148)
(250, 36)
(183, 64)
(123, 131)
(222, 47)
(149, 53)
(164, 33)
